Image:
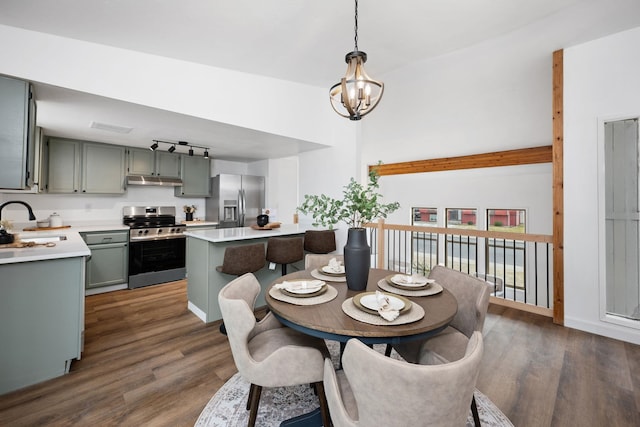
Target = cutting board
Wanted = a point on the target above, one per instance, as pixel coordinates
(25, 245)
(269, 226)
(45, 228)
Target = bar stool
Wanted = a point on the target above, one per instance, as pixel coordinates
(239, 260)
(242, 259)
(285, 250)
(320, 241)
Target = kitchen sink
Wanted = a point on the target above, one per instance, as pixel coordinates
(43, 239)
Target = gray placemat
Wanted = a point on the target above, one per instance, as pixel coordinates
(431, 290)
(318, 275)
(330, 294)
(416, 313)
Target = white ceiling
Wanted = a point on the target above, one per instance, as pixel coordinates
(296, 40)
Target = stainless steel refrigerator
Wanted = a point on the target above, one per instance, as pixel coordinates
(236, 200)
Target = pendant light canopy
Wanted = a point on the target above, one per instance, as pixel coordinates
(356, 94)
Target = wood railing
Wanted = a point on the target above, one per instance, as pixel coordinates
(518, 265)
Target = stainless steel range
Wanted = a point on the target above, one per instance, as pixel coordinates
(156, 245)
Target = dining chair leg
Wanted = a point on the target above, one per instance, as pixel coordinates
(255, 400)
(252, 389)
(387, 351)
(474, 412)
(324, 407)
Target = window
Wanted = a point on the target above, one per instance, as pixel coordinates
(425, 216)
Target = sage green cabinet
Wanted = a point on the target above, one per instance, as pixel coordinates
(195, 173)
(153, 163)
(108, 264)
(17, 134)
(84, 167)
(63, 171)
(41, 318)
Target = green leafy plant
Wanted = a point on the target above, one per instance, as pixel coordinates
(358, 206)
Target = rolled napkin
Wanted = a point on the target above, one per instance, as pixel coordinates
(335, 265)
(384, 307)
(299, 284)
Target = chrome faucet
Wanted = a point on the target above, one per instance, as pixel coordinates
(31, 215)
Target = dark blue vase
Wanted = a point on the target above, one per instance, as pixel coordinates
(357, 259)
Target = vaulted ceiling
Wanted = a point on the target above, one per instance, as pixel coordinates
(294, 40)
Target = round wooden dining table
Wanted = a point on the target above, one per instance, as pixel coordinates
(328, 321)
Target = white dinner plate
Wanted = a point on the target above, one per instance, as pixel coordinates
(302, 287)
(371, 302)
(410, 281)
(331, 270)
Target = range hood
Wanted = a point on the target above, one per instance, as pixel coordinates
(153, 180)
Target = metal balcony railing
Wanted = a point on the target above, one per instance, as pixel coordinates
(518, 265)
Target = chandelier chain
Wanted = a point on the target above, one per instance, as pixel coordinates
(355, 28)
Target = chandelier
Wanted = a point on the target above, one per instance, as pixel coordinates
(356, 94)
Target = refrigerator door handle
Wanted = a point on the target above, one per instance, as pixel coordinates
(241, 207)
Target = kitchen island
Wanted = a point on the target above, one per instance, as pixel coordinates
(205, 251)
(41, 308)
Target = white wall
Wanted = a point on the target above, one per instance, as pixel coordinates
(601, 83)
(83, 207)
(328, 170)
(241, 99)
(498, 96)
(490, 97)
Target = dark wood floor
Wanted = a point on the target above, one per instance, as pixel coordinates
(149, 362)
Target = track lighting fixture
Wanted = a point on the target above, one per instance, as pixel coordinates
(174, 145)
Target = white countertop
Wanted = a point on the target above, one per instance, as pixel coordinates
(246, 233)
(199, 223)
(78, 226)
(73, 246)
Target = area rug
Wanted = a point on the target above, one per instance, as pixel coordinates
(227, 408)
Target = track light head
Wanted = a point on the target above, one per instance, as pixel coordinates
(153, 146)
(172, 149)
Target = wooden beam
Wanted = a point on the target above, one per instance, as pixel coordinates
(558, 189)
(523, 156)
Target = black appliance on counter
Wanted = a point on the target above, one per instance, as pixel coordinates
(157, 246)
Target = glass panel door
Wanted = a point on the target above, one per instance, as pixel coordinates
(621, 218)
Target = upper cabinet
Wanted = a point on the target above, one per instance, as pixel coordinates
(195, 175)
(85, 167)
(17, 134)
(153, 163)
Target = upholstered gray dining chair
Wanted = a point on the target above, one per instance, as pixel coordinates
(320, 260)
(375, 390)
(266, 353)
(450, 345)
